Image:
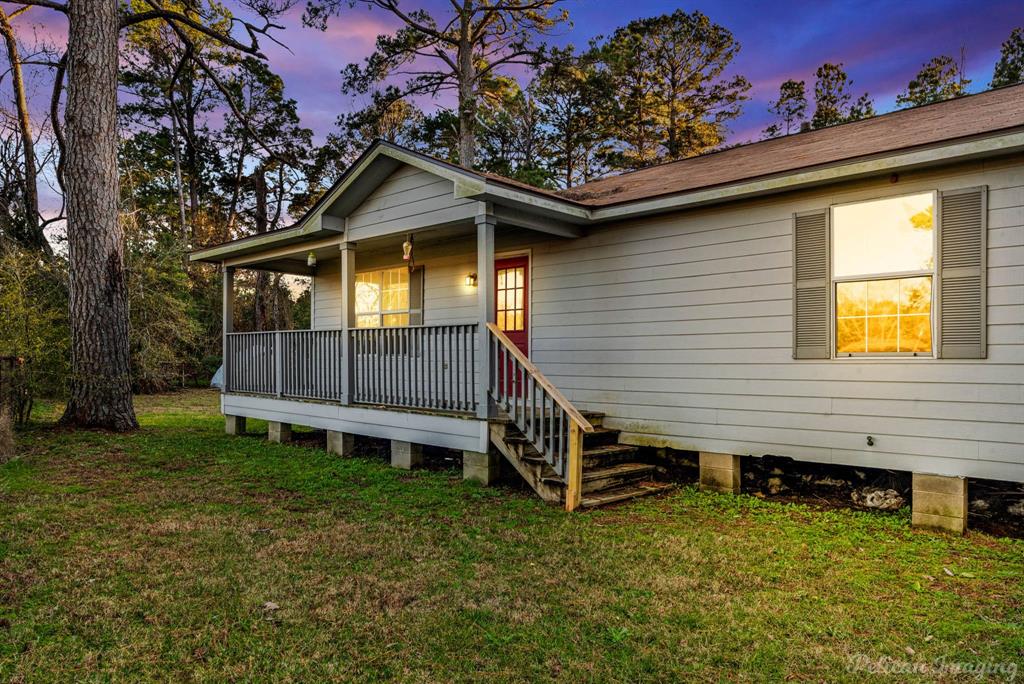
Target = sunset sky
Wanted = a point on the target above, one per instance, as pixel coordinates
(882, 44)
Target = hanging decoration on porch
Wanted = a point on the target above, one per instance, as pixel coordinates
(407, 252)
(311, 260)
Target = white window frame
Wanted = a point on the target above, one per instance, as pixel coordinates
(381, 313)
(895, 275)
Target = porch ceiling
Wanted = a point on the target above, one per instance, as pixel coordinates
(292, 258)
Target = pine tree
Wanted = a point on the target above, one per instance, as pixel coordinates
(570, 91)
(1010, 67)
(833, 102)
(789, 109)
(670, 96)
(942, 78)
(466, 44)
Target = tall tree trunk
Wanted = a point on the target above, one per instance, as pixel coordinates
(32, 234)
(262, 277)
(467, 101)
(191, 155)
(275, 287)
(236, 186)
(100, 392)
(183, 226)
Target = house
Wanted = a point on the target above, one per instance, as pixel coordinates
(851, 295)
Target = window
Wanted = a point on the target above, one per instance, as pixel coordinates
(511, 305)
(883, 266)
(382, 298)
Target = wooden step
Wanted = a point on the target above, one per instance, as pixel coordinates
(596, 458)
(599, 437)
(595, 418)
(620, 475)
(627, 493)
(607, 454)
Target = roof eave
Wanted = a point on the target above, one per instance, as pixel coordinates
(467, 184)
(934, 155)
(316, 224)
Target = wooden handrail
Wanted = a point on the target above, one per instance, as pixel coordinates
(539, 378)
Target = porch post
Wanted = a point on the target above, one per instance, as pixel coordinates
(228, 315)
(485, 223)
(348, 319)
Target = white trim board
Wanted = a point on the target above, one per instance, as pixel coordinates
(464, 434)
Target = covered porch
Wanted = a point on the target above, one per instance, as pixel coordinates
(408, 350)
(373, 341)
(419, 329)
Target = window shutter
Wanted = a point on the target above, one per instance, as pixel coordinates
(811, 322)
(963, 231)
(416, 297)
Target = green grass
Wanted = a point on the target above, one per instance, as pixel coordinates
(153, 555)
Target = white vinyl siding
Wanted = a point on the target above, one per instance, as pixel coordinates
(407, 200)
(327, 295)
(680, 328)
(447, 300)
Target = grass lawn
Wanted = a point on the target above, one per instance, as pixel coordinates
(178, 553)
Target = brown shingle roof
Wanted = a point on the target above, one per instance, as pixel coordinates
(974, 115)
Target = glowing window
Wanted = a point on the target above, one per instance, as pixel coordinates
(883, 263)
(511, 304)
(382, 298)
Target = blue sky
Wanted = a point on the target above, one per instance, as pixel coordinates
(882, 44)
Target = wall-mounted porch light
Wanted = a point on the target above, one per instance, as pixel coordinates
(471, 280)
(311, 260)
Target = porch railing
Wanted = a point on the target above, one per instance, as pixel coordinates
(311, 364)
(425, 367)
(303, 364)
(250, 362)
(552, 424)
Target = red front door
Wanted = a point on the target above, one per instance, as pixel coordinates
(511, 301)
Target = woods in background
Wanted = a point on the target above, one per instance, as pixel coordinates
(209, 148)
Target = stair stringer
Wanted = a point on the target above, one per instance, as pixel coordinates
(537, 476)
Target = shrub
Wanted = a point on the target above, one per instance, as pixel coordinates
(33, 308)
(6, 436)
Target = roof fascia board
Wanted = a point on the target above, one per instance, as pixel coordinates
(221, 252)
(533, 221)
(470, 185)
(283, 251)
(550, 210)
(496, 193)
(963, 151)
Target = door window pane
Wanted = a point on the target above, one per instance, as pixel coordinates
(511, 300)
